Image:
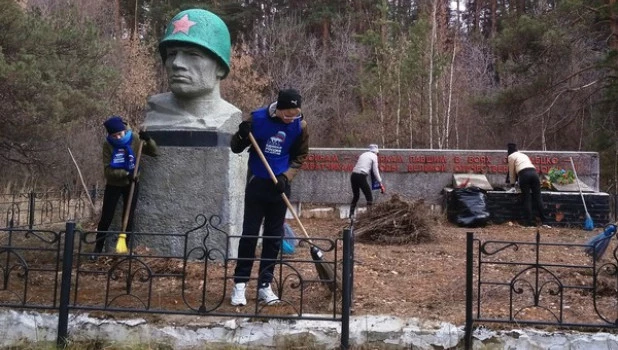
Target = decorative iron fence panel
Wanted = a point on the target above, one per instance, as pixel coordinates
(50, 207)
(530, 283)
(58, 271)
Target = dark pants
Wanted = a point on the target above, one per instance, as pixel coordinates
(359, 182)
(262, 202)
(110, 199)
(530, 186)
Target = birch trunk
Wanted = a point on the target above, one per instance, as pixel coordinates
(398, 113)
(380, 101)
(432, 43)
(450, 96)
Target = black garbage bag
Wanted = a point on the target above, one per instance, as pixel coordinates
(468, 207)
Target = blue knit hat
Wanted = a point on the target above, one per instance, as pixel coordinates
(114, 124)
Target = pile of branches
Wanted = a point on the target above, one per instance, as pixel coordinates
(395, 222)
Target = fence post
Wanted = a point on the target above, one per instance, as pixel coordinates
(31, 197)
(65, 286)
(352, 262)
(469, 280)
(346, 293)
(615, 207)
(9, 221)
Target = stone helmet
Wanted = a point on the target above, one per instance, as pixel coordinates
(201, 28)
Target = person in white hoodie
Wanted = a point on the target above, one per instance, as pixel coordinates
(522, 171)
(367, 165)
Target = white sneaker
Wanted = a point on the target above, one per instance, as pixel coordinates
(238, 294)
(267, 296)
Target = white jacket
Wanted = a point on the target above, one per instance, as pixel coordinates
(518, 162)
(367, 162)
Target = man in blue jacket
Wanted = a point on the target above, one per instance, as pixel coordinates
(281, 132)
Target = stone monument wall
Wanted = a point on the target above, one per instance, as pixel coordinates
(420, 173)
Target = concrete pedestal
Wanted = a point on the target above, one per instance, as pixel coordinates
(194, 174)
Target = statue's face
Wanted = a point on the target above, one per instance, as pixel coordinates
(191, 71)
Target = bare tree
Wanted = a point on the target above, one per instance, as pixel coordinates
(289, 57)
(430, 87)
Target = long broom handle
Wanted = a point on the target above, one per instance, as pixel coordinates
(578, 186)
(82, 180)
(274, 178)
(127, 210)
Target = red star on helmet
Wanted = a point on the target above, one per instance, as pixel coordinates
(183, 25)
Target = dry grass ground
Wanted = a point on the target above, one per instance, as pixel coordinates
(425, 278)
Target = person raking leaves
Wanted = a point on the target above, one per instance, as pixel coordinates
(281, 133)
(119, 159)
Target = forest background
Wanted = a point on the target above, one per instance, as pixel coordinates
(422, 74)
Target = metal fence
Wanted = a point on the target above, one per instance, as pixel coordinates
(539, 283)
(37, 208)
(57, 271)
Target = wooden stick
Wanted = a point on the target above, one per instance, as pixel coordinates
(127, 210)
(274, 178)
(325, 271)
(82, 179)
(121, 244)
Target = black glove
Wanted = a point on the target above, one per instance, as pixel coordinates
(244, 129)
(144, 136)
(131, 176)
(282, 183)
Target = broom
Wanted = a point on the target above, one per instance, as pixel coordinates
(324, 269)
(598, 244)
(121, 245)
(588, 223)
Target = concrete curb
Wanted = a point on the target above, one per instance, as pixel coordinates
(188, 332)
